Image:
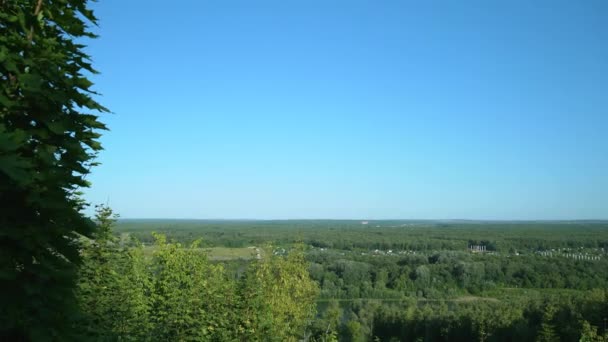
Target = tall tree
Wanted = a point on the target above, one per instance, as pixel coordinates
(589, 333)
(547, 332)
(48, 140)
(277, 299)
(113, 286)
(192, 299)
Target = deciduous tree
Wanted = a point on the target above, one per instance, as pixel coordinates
(48, 140)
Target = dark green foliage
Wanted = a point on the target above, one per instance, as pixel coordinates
(47, 144)
(481, 320)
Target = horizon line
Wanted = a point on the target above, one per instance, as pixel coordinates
(364, 219)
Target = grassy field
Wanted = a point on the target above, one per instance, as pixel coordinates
(221, 253)
(226, 253)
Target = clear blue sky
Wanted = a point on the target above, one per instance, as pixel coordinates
(354, 109)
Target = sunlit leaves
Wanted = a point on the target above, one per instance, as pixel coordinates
(177, 294)
(278, 298)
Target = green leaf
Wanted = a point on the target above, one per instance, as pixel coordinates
(39, 102)
(15, 168)
(57, 127)
(3, 53)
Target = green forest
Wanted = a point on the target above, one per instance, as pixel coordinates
(426, 280)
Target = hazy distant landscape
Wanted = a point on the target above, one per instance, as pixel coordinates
(425, 279)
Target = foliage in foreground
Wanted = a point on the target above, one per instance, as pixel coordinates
(178, 295)
(48, 140)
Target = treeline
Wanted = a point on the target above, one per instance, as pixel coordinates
(446, 274)
(178, 295)
(383, 235)
(550, 318)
